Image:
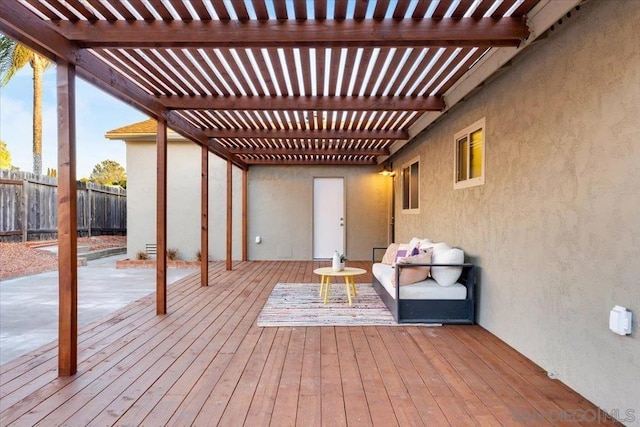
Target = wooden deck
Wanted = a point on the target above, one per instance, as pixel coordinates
(207, 363)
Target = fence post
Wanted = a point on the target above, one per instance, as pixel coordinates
(25, 210)
(88, 205)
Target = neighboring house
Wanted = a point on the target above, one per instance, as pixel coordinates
(553, 226)
(280, 202)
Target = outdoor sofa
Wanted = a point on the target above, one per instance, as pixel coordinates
(446, 296)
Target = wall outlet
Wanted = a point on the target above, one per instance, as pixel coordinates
(620, 320)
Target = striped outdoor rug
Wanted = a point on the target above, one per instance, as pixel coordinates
(298, 304)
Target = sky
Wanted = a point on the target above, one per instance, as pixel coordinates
(96, 114)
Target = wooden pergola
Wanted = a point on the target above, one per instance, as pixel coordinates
(264, 82)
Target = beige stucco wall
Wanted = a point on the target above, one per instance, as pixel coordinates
(280, 205)
(281, 210)
(183, 200)
(556, 228)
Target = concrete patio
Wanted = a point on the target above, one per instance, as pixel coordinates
(29, 305)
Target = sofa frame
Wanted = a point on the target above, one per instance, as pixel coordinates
(430, 310)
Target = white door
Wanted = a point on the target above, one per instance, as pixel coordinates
(328, 217)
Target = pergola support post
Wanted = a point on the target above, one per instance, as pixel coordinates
(244, 214)
(204, 231)
(161, 218)
(229, 214)
(67, 222)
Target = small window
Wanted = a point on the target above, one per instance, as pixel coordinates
(411, 186)
(469, 156)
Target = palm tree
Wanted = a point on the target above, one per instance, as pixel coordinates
(14, 56)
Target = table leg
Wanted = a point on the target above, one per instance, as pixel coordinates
(353, 286)
(321, 285)
(347, 285)
(327, 285)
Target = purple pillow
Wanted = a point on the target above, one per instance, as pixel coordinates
(404, 251)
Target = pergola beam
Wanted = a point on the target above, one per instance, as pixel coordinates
(308, 103)
(480, 32)
(308, 134)
(311, 151)
(310, 162)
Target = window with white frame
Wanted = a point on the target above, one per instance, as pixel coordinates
(411, 186)
(469, 145)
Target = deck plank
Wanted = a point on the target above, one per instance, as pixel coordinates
(310, 397)
(207, 362)
(379, 401)
(263, 400)
(355, 401)
(286, 403)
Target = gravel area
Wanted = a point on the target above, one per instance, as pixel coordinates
(21, 259)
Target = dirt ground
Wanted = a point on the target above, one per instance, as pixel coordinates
(20, 259)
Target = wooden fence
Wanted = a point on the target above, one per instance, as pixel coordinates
(29, 208)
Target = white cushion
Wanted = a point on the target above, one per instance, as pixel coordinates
(425, 244)
(426, 289)
(414, 243)
(445, 254)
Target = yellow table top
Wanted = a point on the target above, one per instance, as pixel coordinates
(348, 271)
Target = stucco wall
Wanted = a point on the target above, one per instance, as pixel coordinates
(281, 210)
(556, 228)
(183, 200)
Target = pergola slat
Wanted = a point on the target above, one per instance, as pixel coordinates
(463, 69)
(300, 9)
(401, 9)
(200, 79)
(310, 162)
(142, 66)
(201, 10)
(122, 10)
(525, 7)
(317, 33)
(421, 9)
(311, 151)
(180, 63)
(462, 8)
(161, 9)
(80, 7)
(241, 11)
(445, 75)
(260, 8)
(139, 6)
(360, 10)
(281, 9)
(340, 10)
(43, 9)
(181, 10)
(305, 56)
(404, 73)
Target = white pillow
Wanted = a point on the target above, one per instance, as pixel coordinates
(426, 244)
(414, 243)
(445, 254)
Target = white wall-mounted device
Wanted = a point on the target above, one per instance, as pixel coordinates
(258, 239)
(620, 320)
